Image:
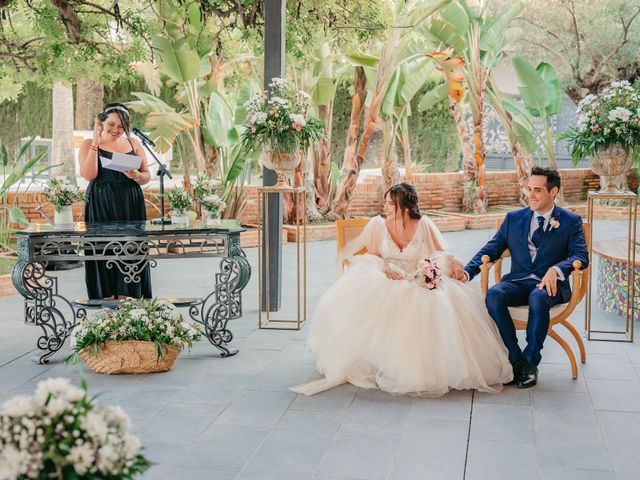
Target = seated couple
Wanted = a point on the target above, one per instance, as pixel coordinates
(376, 327)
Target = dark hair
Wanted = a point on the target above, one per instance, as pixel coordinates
(553, 176)
(405, 196)
(119, 109)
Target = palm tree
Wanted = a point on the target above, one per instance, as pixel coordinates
(63, 154)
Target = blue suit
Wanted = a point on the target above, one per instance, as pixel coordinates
(559, 247)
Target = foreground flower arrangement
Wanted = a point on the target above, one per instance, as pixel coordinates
(142, 336)
(62, 194)
(60, 433)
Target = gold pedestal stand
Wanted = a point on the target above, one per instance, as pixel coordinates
(265, 321)
(614, 250)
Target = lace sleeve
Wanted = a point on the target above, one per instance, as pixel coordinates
(370, 239)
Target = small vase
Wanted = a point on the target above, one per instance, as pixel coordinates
(612, 165)
(64, 217)
(179, 218)
(211, 219)
(280, 162)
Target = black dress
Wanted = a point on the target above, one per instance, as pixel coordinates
(112, 196)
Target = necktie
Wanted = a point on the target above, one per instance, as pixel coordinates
(536, 238)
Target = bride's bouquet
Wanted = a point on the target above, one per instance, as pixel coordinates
(428, 275)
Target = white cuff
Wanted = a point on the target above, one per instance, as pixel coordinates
(560, 274)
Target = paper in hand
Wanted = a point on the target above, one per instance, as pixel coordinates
(121, 162)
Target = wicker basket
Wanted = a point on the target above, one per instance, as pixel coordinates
(130, 356)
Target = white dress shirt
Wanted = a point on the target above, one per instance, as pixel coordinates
(533, 251)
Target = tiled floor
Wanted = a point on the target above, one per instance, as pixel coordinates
(234, 418)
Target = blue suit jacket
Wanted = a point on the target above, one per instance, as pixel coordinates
(560, 247)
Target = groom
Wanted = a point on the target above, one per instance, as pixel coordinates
(543, 240)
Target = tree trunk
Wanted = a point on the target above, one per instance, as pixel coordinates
(89, 103)
(211, 167)
(63, 153)
(322, 168)
(479, 193)
(343, 194)
(407, 157)
(390, 170)
(468, 163)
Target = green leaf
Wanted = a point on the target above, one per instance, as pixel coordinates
(166, 126)
(446, 33)
(550, 77)
(323, 92)
(218, 122)
(525, 137)
(363, 59)
(180, 63)
(17, 216)
(432, 97)
(389, 100)
(457, 16)
(148, 103)
(4, 155)
(418, 74)
(195, 18)
(533, 89)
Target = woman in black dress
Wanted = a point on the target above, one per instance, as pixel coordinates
(113, 196)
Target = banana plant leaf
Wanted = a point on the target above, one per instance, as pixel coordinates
(533, 89)
(179, 61)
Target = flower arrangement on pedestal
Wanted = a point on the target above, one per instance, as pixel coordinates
(60, 433)
(607, 130)
(62, 194)
(278, 124)
(208, 195)
(179, 202)
(140, 337)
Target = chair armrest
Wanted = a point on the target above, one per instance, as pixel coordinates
(576, 288)
(484, 271)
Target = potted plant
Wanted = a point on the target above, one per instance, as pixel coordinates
(60, 433)
(277, 123)
(607, 130)
(179, 201)
(208, 195)
(62, 195)
(142, 336)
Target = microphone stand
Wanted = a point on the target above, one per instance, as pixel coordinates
(162, 171)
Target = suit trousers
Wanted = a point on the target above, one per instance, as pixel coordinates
(514, 294)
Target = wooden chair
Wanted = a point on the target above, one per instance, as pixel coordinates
(559, 313)
(347, 230)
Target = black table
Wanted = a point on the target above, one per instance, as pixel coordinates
(129, 247)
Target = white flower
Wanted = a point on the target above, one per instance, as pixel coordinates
(57, 387)
(137, 313)
(11, 462)
(279, 101)
(258, 118)
(297, 118)
(19, 406)
(95, 426)
(56, 406)
(106, 457)
(131, 445)
(82, 457)
(619, 114)
(554, 223)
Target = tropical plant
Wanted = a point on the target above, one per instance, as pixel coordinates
(379, 68)
(607, 119)
(542, 97)
(61, 433)
(14, 175)
(61, 193)
(142, 320)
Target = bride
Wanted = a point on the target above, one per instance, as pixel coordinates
(376, 327)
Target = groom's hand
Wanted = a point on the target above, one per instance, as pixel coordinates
(458, 272)
(550, 282)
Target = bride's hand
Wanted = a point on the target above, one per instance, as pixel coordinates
(393, 275)
(458, 272)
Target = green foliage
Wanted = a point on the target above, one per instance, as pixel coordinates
(61, 193)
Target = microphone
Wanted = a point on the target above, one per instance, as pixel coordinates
(143, 137)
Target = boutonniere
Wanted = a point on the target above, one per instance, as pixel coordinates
(553, 223)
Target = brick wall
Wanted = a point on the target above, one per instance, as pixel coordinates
(437, 191)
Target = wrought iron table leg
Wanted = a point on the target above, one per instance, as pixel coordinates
(224, 303)
(44, 307)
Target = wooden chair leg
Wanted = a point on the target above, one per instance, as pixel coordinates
(565, 346)
(576, 335)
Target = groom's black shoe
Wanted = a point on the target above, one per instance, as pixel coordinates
(528, 376)
(517, 368)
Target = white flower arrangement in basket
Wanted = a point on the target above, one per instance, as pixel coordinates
(60, 433)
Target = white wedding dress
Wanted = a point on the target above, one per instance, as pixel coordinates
(395, 335)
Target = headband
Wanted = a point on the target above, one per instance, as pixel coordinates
(117, 107)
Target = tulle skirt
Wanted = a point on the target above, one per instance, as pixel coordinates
(395, 335)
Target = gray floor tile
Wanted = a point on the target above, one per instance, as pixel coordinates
(502, 423)
(616, 395)
(608, 367)
(571, 447)
(222, 448)
(495, 461)
(256, 409)
(455, 404)
(622, 435)
(510, 395)
(373, 410)
(180, 422)
(427, 469)
(358, 456)
(337, 399)
(565, 473)
(551, 409)
(557, 378)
